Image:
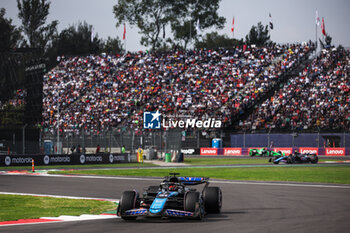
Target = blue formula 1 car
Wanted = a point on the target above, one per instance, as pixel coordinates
(295, 158)
(172, 198)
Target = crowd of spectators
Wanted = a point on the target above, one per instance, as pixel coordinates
(317, 99)
(98, 92)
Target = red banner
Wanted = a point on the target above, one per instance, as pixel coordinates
(335, 152)
(310, 150)
(285, 150)
(209, 151)
(233, 151)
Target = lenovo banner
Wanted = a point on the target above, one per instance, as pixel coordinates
(308, 150)
(335, 152)
(209, 151)
(233, 151)
(285, 150)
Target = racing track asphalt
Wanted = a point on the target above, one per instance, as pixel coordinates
(247, 207)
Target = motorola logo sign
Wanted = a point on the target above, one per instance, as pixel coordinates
(21, 160)
(7, 161)
(116, 158)
(82, 159)
(93, 158)
(46, 159)
(60, 159)
(90, 158)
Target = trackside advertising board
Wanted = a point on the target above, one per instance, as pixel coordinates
(310, 150)
(239, 151)
(72, 159)
(335, 152)
(233, 151)
(285, 150)
(209, 151)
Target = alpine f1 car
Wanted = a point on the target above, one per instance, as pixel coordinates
(295, 158)
(172, 198)
(265, 152)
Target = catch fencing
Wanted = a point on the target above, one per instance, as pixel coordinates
(155, 143)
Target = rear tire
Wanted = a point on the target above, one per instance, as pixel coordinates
(290, 159)
(127, 202)
(314, 159)
(212, 199)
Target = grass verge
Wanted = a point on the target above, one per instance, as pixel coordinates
(14, 207)
(326, 174)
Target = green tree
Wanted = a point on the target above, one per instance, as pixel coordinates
(258, 35)
(77, 40)
(10, 35)
(188, 12)
(150, 16)
(112, 46)
(33, 14)
(214, 40)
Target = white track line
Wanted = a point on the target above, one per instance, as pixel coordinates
(83, 217)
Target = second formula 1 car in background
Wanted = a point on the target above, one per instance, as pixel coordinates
(265, 152)
(295, 158)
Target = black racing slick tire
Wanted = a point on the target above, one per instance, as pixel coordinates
(193, 204)
(127, 202)
(212, 197)
(191, 198)
(290, 159)
(314, 159)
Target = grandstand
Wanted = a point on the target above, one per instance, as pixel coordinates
(99, 92)
(275, 88)
(317, 99)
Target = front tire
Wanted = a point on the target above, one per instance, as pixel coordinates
(127, 202)
(191, 199)
(193, 204)
(212, 199)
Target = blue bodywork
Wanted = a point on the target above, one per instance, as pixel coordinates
(159, 202)
(165, 201)
(281, 159)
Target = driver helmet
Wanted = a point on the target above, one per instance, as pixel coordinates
(172, 187)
